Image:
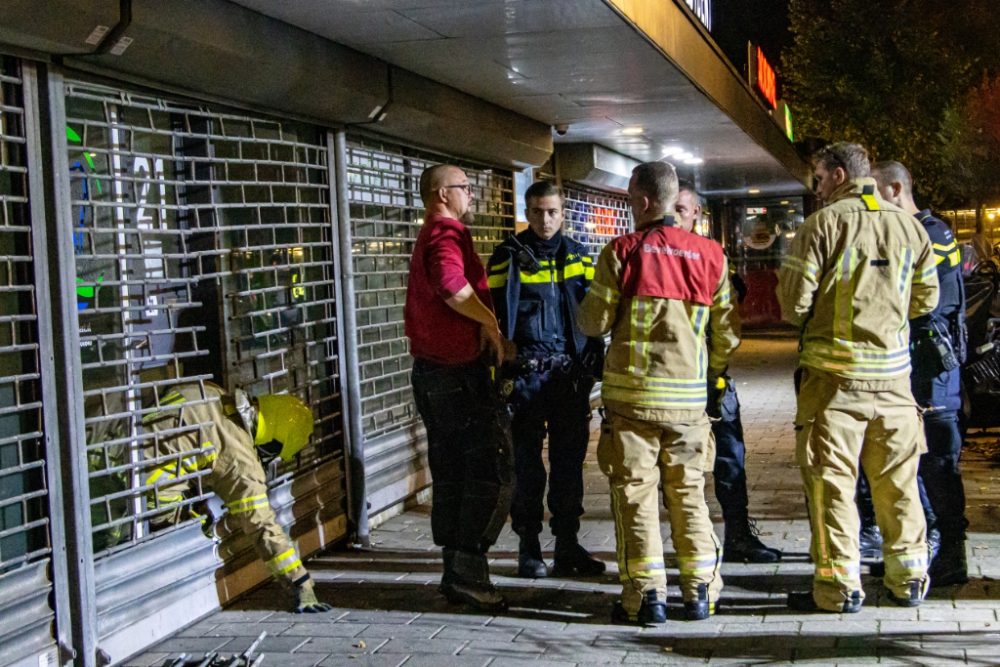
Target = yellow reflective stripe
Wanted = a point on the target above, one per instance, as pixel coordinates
(588, 273)
(938, 259)
(603, 293)
(283, 563)
(905, 277)
(642, 322)
(171, 399)
(955, 258)
(666, 393)
(862, 363)
(501, 266)
(907, 565)
(723, 298)
(843, 315)
(543, 276)
(498, 280)
(944, 247)
(800, 265)
(247, 504)
(575, 269)
(871, 202)
(694, 565)
(926, 274)
(839, 570)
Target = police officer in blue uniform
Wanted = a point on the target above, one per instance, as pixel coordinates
(741, 541)
(937, 343)
(537, 280)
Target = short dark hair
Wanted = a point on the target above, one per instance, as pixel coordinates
(541, 189)
(684, 184)
(852, 158)
(658, 181)
(890, 171)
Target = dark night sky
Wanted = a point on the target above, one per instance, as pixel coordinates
(764, 22)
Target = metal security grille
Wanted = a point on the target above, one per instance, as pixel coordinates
(386, 214)
(593, 218)
(203, 253)
(24, 536)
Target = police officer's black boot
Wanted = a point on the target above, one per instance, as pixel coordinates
(870, 541)
(743, 546)
(470, 583)
(652, 611)
(700, 609)
(530, 564)
(950, 565)
(573, 560)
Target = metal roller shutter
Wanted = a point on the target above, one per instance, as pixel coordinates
(203, 251)
(26, 617)
(594, 218)
(386, 214)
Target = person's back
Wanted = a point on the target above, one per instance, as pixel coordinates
(658, 291)
(658, 362)
(856, 273)
(863, 255)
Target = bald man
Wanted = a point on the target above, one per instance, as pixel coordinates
(456, 344)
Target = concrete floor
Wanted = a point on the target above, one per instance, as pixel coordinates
(390, 614)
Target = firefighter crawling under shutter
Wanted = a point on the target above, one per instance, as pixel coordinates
(235, 432)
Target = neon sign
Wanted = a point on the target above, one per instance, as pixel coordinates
(766, 82)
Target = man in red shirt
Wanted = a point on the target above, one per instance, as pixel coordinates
(456, 344)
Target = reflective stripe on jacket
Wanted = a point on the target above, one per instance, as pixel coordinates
(857, 272)
(203, 431)
(673, 321)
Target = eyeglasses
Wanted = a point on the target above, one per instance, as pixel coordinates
(464, 186)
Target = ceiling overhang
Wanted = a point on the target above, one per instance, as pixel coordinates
(597, 66)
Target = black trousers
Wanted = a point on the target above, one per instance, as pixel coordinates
(559, 405)
(730, 454)
(469, 451)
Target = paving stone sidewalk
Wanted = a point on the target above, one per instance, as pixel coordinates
(389, 614)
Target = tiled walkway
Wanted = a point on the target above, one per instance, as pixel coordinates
(389, 612)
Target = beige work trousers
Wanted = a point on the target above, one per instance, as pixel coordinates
(636, 455)
(839, 426)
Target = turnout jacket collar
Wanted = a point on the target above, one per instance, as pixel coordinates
(856, 187)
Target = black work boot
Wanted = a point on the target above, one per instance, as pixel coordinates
(743, 546)
(530, 564)
(448, 576)
(950, 565)
(870, 542)
(470, 583)
(573, 560)
(700, 609)
(652, 611)
(933, 543)
(912, 600)
(806, 602)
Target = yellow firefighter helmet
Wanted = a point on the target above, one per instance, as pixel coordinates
(283, 418)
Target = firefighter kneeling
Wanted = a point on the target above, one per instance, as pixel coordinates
(199, 426)
(658, 290)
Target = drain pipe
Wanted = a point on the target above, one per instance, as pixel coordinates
(350, 369)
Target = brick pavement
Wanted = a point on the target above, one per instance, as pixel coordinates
(389, 612)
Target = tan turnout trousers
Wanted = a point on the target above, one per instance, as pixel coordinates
(841, 424)
(636, 455)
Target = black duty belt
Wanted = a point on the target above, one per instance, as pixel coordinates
(542, 363)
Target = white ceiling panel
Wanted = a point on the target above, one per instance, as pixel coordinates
(557, 61)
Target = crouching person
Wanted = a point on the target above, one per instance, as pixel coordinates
(199, 426)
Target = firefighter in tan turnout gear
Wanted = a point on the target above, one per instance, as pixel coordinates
(857, 272)
(664, 294)
(199, 426)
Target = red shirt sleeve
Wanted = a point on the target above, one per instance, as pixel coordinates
(445, 260)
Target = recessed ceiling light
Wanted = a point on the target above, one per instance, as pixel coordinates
(632, 130)
(784, 203)
(754, 191)
(791, 210)
(693, 160)
(672, 150)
